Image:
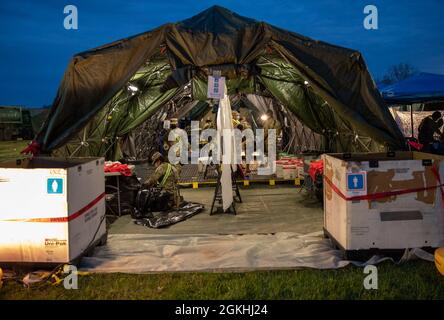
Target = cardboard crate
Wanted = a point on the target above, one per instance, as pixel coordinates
(51, 210)
(290, 171)
(280, 168)
(296, 163)
(398, 221)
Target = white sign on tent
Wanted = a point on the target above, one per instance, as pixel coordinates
(216, 87)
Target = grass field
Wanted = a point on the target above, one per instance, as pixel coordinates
(11, 149)
(413, 280)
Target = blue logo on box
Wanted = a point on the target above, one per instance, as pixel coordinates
(355, 182)
(54, 186)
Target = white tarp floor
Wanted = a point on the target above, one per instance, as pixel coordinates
(275, 228)
(142, 253)
(138, 253)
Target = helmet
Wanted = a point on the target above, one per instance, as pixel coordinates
(156, 156)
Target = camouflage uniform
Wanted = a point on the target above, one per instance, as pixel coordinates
(166, 176)
(245, 124)
(235, 119)
(271, 123)
(209, 125)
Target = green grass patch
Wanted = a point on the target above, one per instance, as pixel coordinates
(413, 280)
(10, 150)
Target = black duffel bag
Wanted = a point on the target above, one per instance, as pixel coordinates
(152, 200)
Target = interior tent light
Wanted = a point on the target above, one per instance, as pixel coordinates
(133, 88)
(264, 117)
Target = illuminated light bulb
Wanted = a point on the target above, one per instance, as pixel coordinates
(306, 82)
(133, 88)
(264, 117)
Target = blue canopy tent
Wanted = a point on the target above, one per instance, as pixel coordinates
(420, 88)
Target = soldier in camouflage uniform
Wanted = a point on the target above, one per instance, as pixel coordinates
(166, 143)
(209, 124)
(165, 177)
(245, 124)
(235, 118)
(269, 124)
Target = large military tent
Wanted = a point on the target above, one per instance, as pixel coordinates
(109, 91)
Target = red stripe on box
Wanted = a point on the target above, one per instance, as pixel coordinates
(62, 219)
(378, 195)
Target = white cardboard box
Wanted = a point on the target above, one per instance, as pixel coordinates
(410, 220)
(51, 210)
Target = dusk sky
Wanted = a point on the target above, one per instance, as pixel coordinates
(35, 47)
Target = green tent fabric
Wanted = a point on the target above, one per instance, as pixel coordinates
(95, 100)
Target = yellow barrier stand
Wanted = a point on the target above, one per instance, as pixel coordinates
(246, 183)
(297, 181)
(272, 182)
(439, 260)
(1, 277)
(195, 185)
